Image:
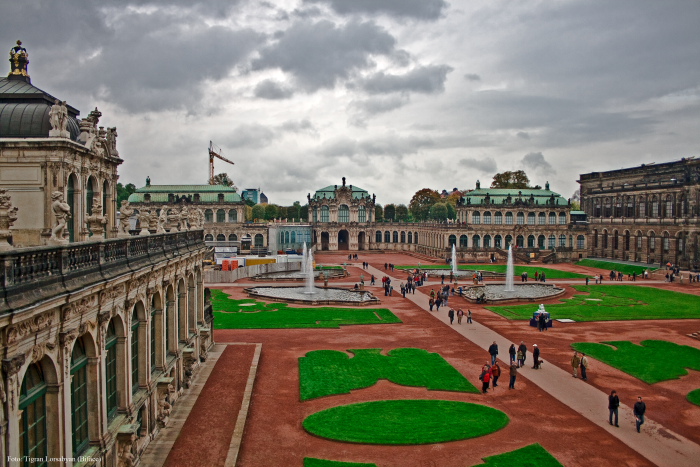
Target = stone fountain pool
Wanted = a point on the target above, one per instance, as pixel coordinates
(318, 295)
(496, 293)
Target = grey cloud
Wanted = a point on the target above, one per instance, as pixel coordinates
(273, 90)
(472, 77)
(395, 145)
(536, 161)
(321, 53)
(416, 9)
(249, 136)
(338, 147)
(378, 105)
(300, 126)
(425, 79)
(485, 165)
(523, 135)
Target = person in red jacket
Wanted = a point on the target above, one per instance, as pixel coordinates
(485, 377)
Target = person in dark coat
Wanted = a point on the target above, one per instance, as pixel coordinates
(640, 409)
(451, 315)
(512, 351)
(522, 348)
(536, 356)
(493, 350)
(513, 375)
(542, 322)
(495, 373)
(613, 405)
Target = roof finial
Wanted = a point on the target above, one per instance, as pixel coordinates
(343, 181)
(19, 59)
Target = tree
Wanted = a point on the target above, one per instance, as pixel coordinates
(421, 202)
(451, 211)
(454, 197)
(378, 213)
(272, 211)
(221, 179)
(390, 212)
(249, 213)
(258, 212)
(438, 211)
(123, 192)
(509, 179)
(304, 212)
(402, 213)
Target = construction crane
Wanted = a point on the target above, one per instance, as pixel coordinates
(215, 151)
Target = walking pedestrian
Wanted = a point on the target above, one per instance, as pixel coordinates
(584, 367)
(451, 315)
(460, 314)
(469, 316)
(640, 409)
(431, 303)
(536, 356)
(496, 373)
(493, 351)
(613, 405)
(513, 375)
(485, 377)
(512, 351)
(575, 363)
(522, 354)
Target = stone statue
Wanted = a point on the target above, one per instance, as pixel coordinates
(96, 221)
(125, 212)
(164, 408)
(184, 216)
(112, 142)
(126, 457)
(8, 216)
(145, 220)
(61, 211)
(58, 117)
(162, 221)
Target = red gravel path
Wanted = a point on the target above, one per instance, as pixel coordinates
(206, 435)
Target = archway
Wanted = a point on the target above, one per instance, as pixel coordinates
(361, 241)
(343, 240)
(325, 240)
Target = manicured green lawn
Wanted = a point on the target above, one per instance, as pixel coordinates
(610, 266)
(652, 361)
(328, 372)
(694, 397)
(550, 273)
(613, 303)
(252, 314)
(533, 455)
(405, 422)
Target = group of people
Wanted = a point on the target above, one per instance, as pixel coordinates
(639, 410)
(386, 284)
(459, 314)
(439, 298)
(388, 266)
(579, 361)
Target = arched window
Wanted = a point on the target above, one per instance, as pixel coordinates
(395, 237)
(463, 241)
(531, 241)
(642, 208)
(498, 218)
(343, 213)
(32, 418)
(403, 237)
(281, 237)
(293, 238)
(541, 219)
(387, 237)
(552, 218)
(562, 218)
(476, 218)
(208, 238)
(232, 215)
(410, 237)
(221, 238)
(655, 207)
(154, 334)
(286, 237)
(259, 240)
(666, 242)
(378, 236)
(452, 240)
(540, 242)
(531, 218)
(208, 215)
(581, 242)
(79, 397)
(629, 210)
(509, 240)
(562, 240)
(324, 213)
(315, 214)
(498, 241)
(220, 215)
(509, 218)
(520, 241)
(476, 241)
(111, 371)
(487, 241)
(487, 218)
(652, 241)
(134, 352)
(233, 238)
(520, 218)
(668, 211)
(415, 237)
(361, 214)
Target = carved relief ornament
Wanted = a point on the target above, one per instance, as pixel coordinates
(12, 365)
(18, 331)
(79, 307)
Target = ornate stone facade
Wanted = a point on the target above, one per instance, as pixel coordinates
(648, 213)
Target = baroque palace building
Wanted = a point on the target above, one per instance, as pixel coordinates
(100, 331)
(648, 213)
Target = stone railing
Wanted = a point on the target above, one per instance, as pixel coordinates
(31, 275)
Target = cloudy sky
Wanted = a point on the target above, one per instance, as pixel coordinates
(395, 95)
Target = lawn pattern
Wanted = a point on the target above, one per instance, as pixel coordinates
(613, 303)
(610, 266)
(330, 372)
(533, 455)
(501, 268)
(694, 397)
(253, 314)
(405, 422)
(652, 361)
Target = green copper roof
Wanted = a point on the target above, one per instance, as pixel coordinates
(207, 193)
(500, 196)
(329, 192)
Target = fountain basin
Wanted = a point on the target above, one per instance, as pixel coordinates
(461, 274)
(298, 275)
(523, 293)
(321, 295)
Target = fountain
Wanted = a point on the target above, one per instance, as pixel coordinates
(454, 260)
(510, 270)
(308, 268)
(306, 273)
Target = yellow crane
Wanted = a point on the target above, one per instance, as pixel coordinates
(215, 151)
